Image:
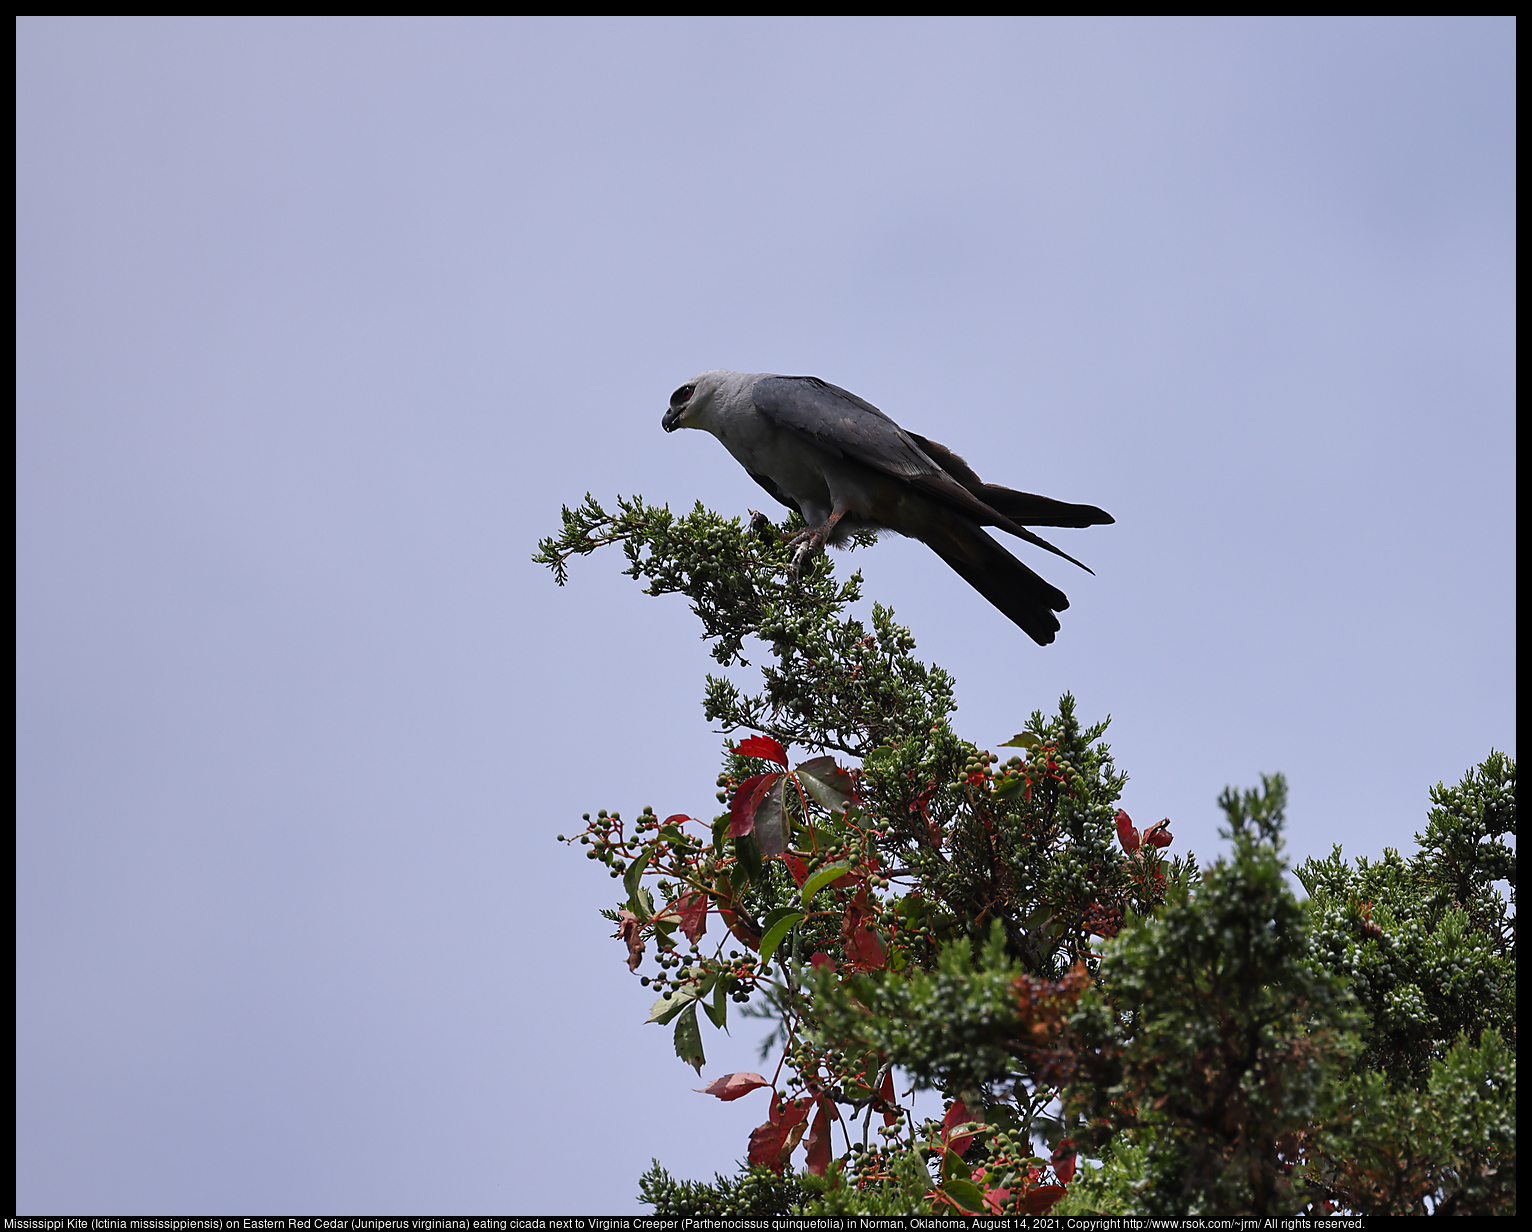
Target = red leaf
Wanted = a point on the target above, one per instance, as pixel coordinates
(747, 799)
(1127, 833)
(1064, 1160)
(822, 959)
(766, 1142)
(819, 1143)
(693, 912)
(886, 1094)
(762, 746)
(789, 1112)
(732, 1086)
(1158, 835)
(628, 931)
(773, 1142)
(861, 944)
(996, 1199)
(796, 867)
(675, 819)
(864, 948)
(740, 928)
(1040, 1201)
(958, 1114)
(922, 806)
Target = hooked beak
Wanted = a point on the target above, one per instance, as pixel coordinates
(672, 418)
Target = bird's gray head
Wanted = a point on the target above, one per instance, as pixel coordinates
(690, 405)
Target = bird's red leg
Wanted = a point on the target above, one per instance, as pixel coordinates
(810, 541)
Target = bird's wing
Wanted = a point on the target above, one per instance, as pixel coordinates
(840, 423)
(772, 487)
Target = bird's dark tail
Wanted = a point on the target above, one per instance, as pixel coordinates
(1028, 509)
(1022, 595)
(1023, 508)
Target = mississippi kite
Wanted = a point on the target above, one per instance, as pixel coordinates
(845, 465)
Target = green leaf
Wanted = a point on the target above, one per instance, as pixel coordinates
(748, 852)
(642, 904)
(965, 1193)
(630, 883)
(1022, 740)
(776, 932)
(1012, 787)
(771, 824)
(666, 1008)
(718, 1010)
(689, 1039)
(778, 913)
(826, 782)
(955, 1167)
(831, 872)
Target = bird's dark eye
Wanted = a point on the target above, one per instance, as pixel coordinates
(682, 395)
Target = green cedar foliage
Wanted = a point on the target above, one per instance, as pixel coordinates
(1428, 944)
(1114, 1031)
(753, 1193)
(832, 683)
(1211, 1042)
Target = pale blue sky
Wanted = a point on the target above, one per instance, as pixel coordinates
(320, 321)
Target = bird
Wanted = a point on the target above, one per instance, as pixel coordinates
(846, 466)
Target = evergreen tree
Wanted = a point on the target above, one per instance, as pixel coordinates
(1111, 1029)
